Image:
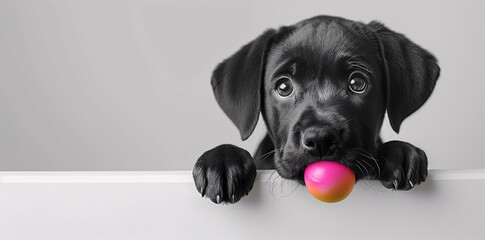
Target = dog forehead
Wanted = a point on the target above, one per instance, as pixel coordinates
(319, 35)
(322, 42)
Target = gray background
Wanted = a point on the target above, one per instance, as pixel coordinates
(124, 85)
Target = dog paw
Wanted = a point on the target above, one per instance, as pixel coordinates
(224, 174)
(405, 166)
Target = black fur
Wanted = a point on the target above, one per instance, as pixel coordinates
(224, 174)
(322, 119)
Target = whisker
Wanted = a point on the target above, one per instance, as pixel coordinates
(272, 181)
(277, 180)
(358, 64)
(368, 164)
(362, 165)
(361, 68)
(291, 168)
(375, 161)
(275, 151)
(378, 168)
(292, 191)
(369, 156)
(273, 185)
(360, 170)
(348, 120)
(264, 156)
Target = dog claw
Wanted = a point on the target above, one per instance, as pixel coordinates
(202, 192)
(395, 184)
(411, 183)
(233, 198)
(218, 199)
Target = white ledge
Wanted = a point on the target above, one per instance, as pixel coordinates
(176, 176)
(164, 204)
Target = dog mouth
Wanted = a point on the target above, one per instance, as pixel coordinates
(292, 166)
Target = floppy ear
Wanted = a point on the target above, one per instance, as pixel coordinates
(411, 74)
(237, 83)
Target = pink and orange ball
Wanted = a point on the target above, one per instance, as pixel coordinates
(329, 181)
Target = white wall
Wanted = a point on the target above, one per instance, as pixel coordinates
(124, 85)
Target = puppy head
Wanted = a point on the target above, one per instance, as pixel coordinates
(323, 86)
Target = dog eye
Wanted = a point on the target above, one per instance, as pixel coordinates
(284, 88)
(357, 85)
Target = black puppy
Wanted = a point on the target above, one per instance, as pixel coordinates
(322, 86)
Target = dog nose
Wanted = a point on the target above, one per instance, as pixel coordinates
(321, 141)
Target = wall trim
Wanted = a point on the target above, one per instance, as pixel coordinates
(177, 176)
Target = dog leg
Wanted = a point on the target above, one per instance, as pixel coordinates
(224, 174)
(402, 165)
